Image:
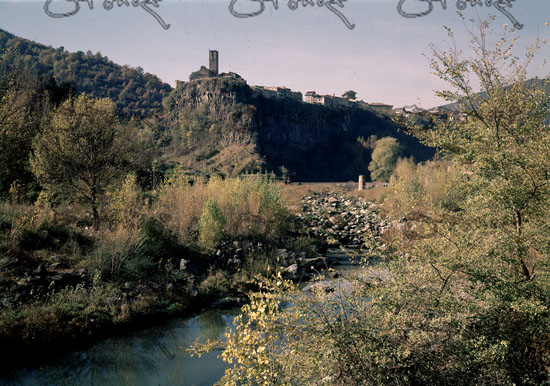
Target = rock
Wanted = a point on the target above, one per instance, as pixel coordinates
(41, 270)
(170, 288)
(327, 379)
(293, 272)
(282, 252)
(183, 264)
(316, 263)
(63, 280)
(319, 287)
(229, 302)
(291, 269)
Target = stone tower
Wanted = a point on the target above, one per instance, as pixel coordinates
(213, 56)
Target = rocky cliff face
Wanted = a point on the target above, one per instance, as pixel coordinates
(222, 123)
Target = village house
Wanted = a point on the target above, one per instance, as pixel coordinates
(382, 107)
(277, 92)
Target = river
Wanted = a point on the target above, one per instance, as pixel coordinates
(152, 356)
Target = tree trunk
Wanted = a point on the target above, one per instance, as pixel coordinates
(95, 212)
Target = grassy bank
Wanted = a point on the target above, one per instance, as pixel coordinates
(164, 252)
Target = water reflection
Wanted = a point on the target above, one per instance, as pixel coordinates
(148, 357)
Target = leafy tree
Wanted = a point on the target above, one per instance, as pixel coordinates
(24, 103)
(82, 149)
(467, 300)
(384, 159)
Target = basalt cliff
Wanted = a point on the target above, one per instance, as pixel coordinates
(221, 125)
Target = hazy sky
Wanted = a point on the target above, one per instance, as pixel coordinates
(306, 49)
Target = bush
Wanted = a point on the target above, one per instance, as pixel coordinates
(250, 206)
(216, 284)
(125, 204)
(417, 191)
(384, 158)
(159, 242)
(211, 225)
(120, 255)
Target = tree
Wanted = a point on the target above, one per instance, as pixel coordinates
(464, 301)
(23, 106)
(82, 149)
(384, 159)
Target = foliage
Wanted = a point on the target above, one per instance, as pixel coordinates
(384, 158)
(120, 255)
(466, 303)
(421, 191)
(211, 224)
(249, 206)
(125, 203)
(24, 103)
(82, 150)
(133, 91)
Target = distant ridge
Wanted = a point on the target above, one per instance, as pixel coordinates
(529, 82)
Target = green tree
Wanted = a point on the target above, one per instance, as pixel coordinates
(384, 159)
(82, 149)
(23, 105)
(467, 300)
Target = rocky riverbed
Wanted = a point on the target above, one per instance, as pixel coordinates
(340, 219)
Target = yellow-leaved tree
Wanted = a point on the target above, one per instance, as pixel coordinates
(470, 301)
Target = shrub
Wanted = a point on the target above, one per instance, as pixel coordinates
(125, 204)
(384, 158)
(159, 242)
(216, 284)
(211, 225)
(417, 191)
(250, 206)
(120, 255)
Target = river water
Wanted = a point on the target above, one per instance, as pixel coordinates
(152, 356)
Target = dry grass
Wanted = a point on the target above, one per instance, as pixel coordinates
(250, 206)
(419, 191)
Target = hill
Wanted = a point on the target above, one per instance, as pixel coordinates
(134, 91)
(220, 125)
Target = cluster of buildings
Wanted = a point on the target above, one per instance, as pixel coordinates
(347, 100)
(277, 92)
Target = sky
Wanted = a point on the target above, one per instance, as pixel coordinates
(383, 58)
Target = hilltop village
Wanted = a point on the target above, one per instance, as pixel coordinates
(347, 100)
